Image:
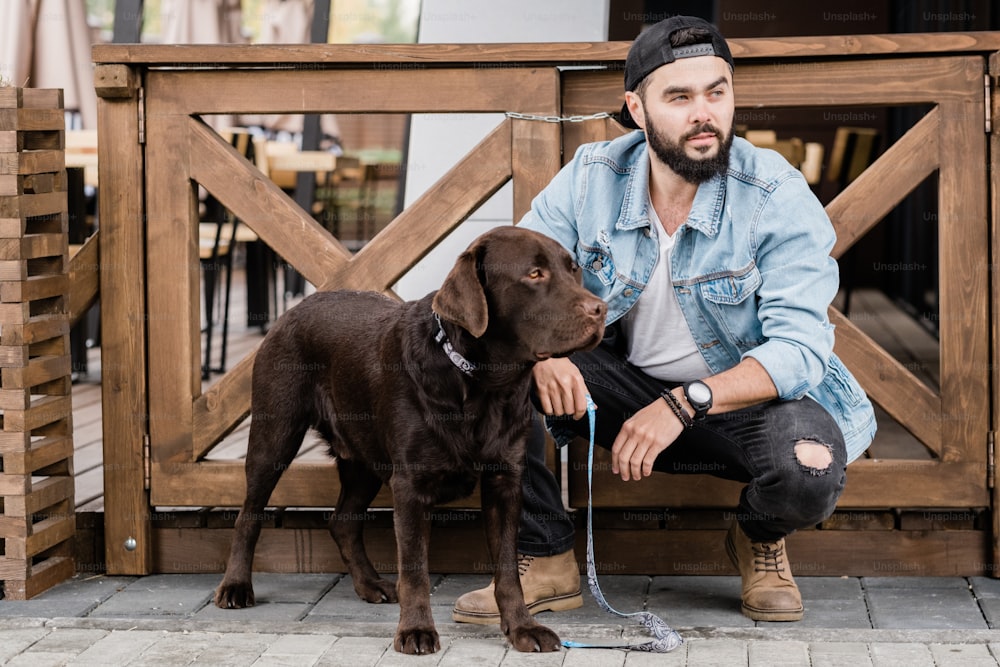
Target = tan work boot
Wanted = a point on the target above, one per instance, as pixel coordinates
(769, 591)
(549, 583)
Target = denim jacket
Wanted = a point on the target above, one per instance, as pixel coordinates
(751, 266)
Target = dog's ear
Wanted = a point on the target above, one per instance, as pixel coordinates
(461, 299)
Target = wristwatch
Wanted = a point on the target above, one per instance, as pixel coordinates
(699, 395)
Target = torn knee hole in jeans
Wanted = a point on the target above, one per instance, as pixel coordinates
(814, 456)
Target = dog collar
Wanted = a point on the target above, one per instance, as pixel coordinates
(461, 363)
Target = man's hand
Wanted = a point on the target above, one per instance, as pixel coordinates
(560, 386)
(641, 439)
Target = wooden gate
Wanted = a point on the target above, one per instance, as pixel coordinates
(154, 148)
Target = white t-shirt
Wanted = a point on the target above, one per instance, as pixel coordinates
(659, 340)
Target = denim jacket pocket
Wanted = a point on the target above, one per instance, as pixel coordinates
(843, 380)
(597, 262)
(731, 288)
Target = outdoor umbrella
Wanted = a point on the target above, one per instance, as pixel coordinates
(46, 44)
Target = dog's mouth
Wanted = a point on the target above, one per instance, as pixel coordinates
(588, 342)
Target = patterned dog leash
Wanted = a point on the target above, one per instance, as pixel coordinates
(665, 639)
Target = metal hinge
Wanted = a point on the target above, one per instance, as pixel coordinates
(988, 106)
(990, 461)
(146, 461)
(142, 116)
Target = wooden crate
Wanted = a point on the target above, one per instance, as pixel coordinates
(38, 521)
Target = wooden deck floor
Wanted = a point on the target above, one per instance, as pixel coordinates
(910, 343)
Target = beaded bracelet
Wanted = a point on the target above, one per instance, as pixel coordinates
(678, 409)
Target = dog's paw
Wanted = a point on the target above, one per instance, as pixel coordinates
(416, 641)
(234, 596)
(377, 591)
(533, 638)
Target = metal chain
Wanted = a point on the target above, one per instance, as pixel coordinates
(557, 119)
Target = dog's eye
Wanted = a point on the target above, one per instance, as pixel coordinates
(535, 274)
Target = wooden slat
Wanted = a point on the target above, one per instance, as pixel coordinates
(902, 81)
(554, 53)
(871, 483)
(963, 281)
(172, 286)
(84, 274)
(335, 91)
(34, 288)
(889, 383)
(44, 493)
(880, 188)
(458, 193)
(32, 119)
(642, 552)
(35, 162)
(535, 156)
(222, 407)
(123, 335)
(223, 484)
(262, 206)
(43, 576)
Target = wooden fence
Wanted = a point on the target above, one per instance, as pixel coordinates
(158, 425)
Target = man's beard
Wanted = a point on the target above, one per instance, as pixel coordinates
(692, 170)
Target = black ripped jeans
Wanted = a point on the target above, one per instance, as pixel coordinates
(755, 445)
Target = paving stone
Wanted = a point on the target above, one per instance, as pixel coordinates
(719, 652)
(932, 608)
(74, 597)
(392, 658)
(452, 586)
(518, 659)
(296, 650)
(144, 600)
(289, 587)
(68, 640)
(778, 654)
(17, 640)
(473, 651)
(597, 657)
(985, 587)
(962, 655)
(893, 655)
(676, 658)
(236, 649)
(355, 652)
(342, 602)
(922, 583)
(702, 601)
(991, 611)
(118, 648)
(830, 588)
(31, 659)
(839, 654)
(178, 648)
(825, 613)
(261, 612)
(624, 593)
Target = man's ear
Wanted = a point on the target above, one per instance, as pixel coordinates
(461, 299)
(634, 103)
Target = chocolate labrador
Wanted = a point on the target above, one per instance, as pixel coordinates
(426, 396)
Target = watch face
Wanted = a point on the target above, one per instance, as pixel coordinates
(699, 392)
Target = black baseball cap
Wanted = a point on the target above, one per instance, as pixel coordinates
(652, 49)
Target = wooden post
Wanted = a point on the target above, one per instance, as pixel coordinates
(36, 439)
(992, 168)
(127, 533)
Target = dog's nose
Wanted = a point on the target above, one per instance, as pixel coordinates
(595, 308)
